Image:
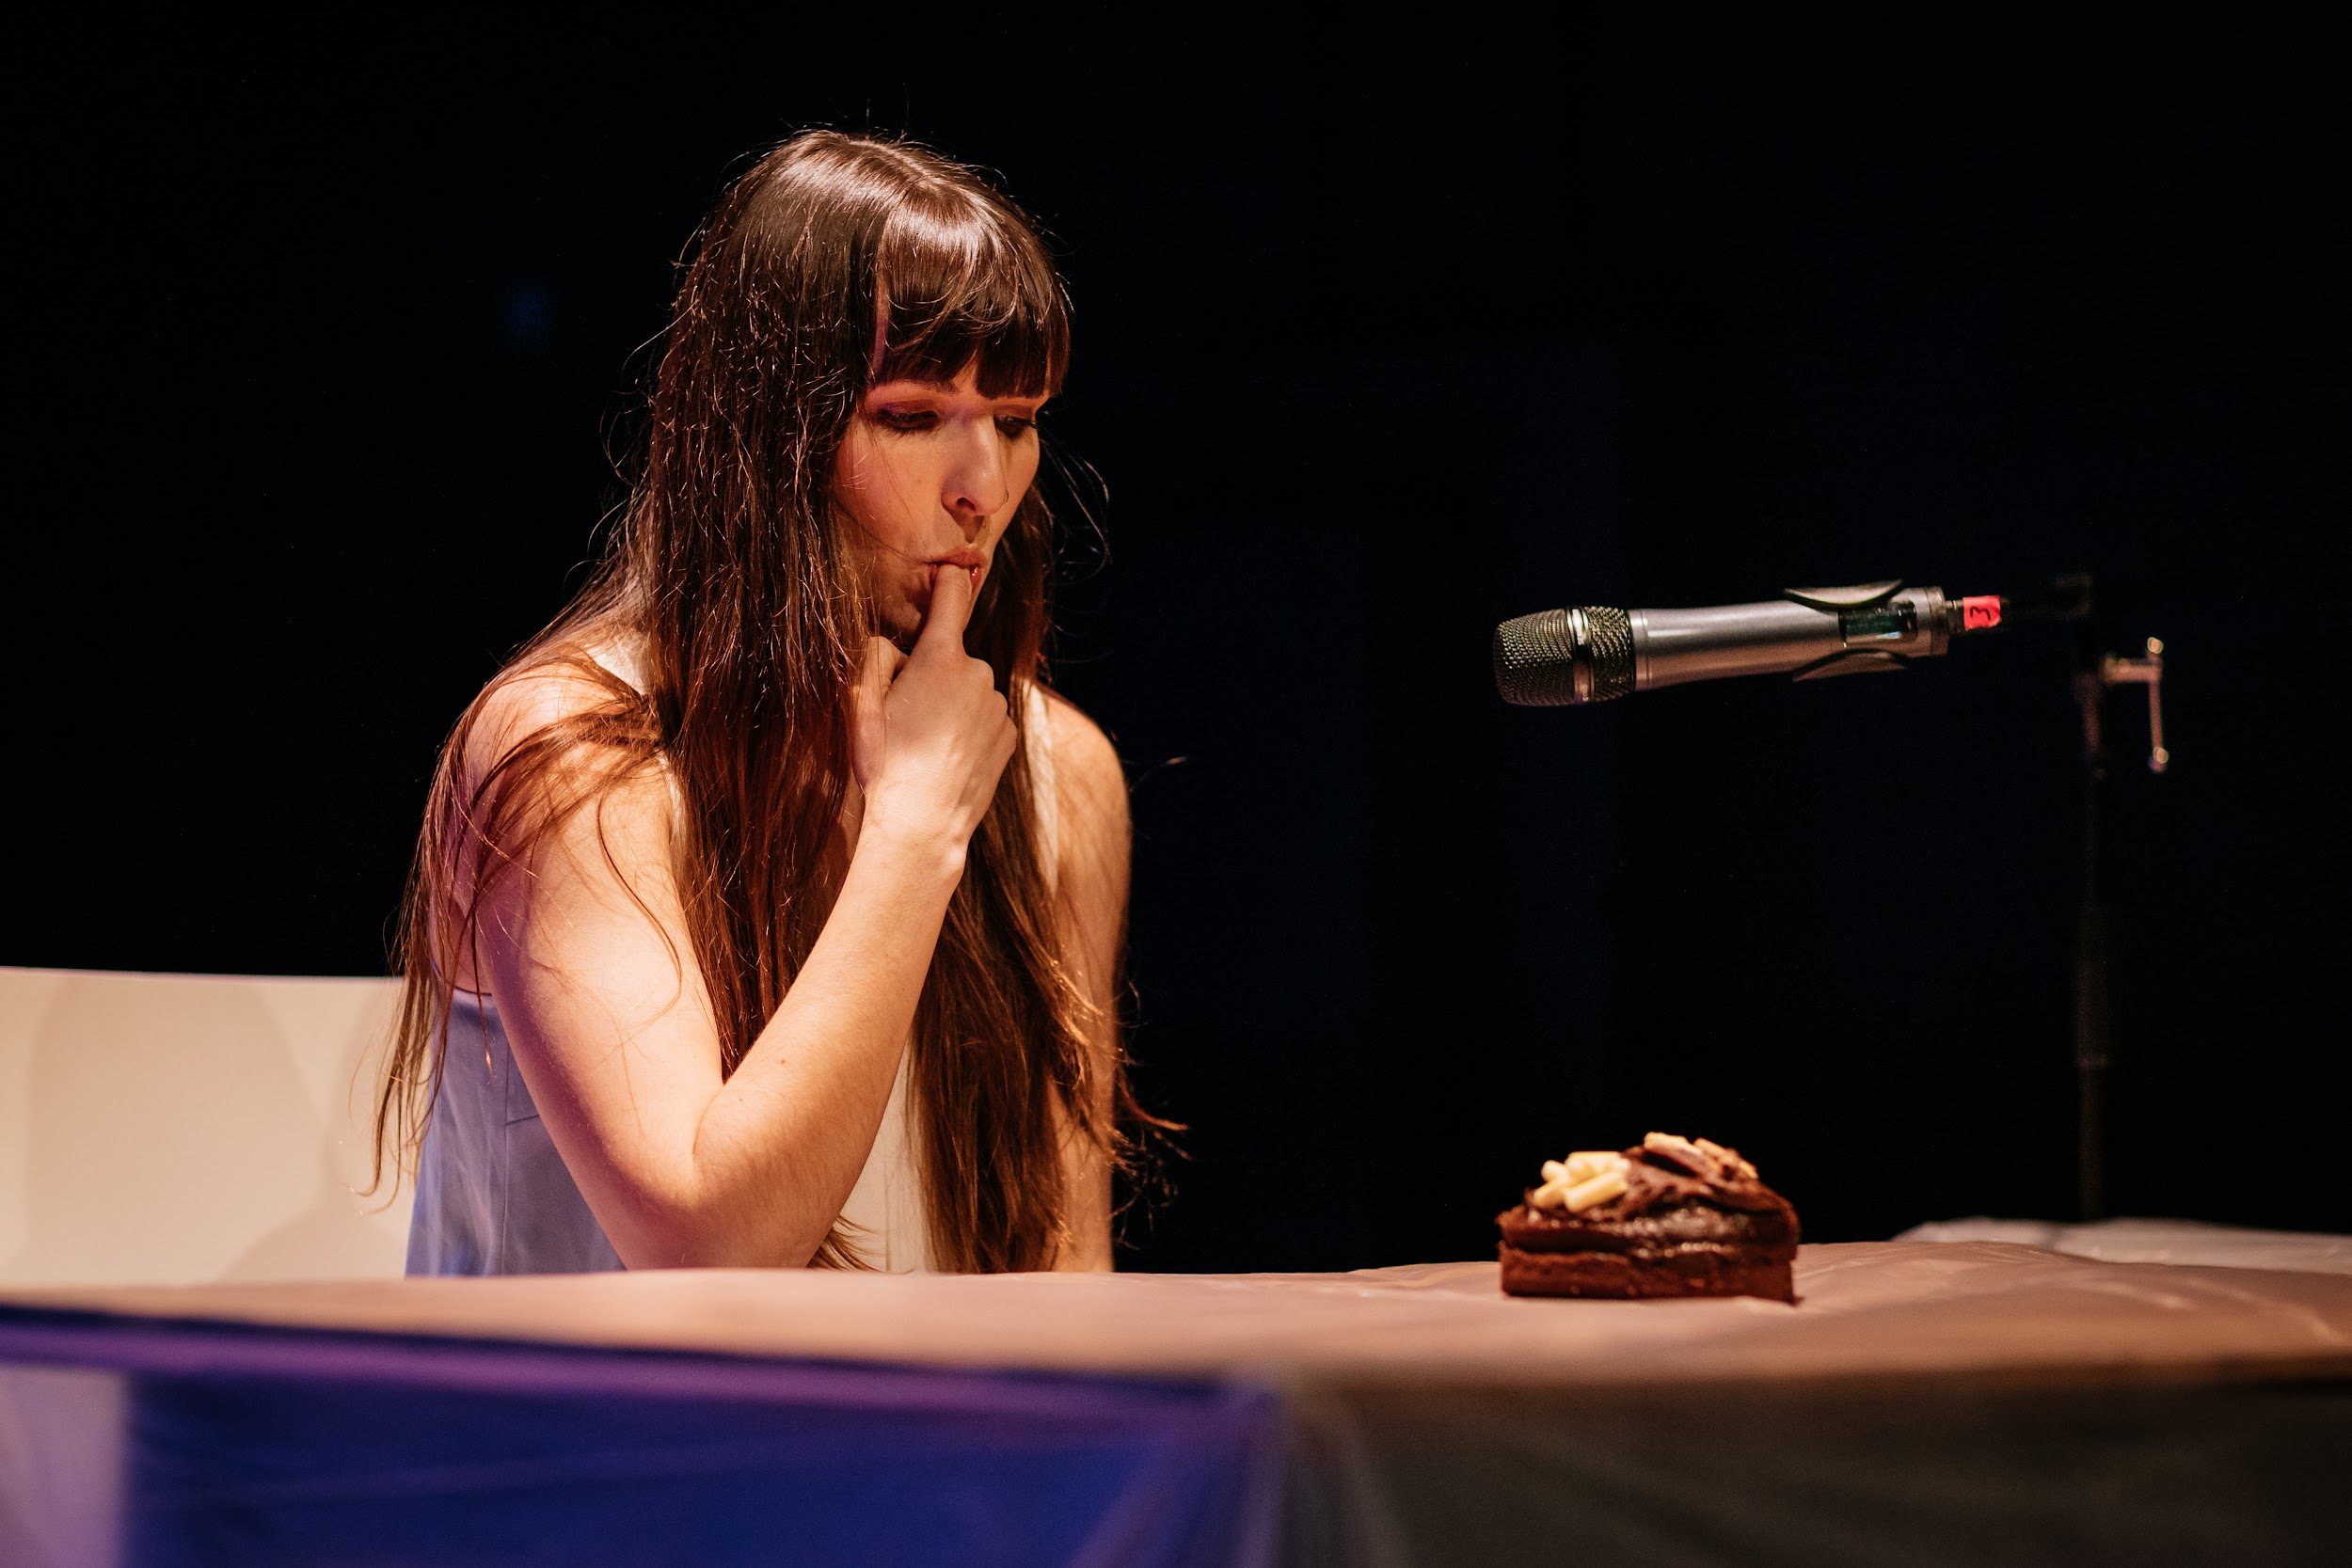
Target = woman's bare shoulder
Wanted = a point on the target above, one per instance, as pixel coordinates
(548, 736)
(1087, 774)
(545, 702)
(1091, 799)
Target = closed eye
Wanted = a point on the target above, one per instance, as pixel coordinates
(906, 419)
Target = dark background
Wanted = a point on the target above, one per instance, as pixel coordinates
(1385, 332)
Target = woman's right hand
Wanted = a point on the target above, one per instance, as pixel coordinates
(932, 732)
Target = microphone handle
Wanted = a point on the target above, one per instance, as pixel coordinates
(1596, 654)
(1675, 646)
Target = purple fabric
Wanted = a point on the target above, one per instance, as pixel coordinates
(493, 1196)
(265, 1446)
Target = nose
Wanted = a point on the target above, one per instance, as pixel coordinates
(974, 487)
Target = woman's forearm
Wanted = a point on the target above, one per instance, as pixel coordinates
(619, 1045)
(780, 1147)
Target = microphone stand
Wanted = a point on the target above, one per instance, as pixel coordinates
(2094, 996)
(2097, 673)
(1592, 654)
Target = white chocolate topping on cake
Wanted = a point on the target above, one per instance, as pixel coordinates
(1592, 1177)
(1586, 1178)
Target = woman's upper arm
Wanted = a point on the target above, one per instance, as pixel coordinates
(1095, 846)
(1093, 880)
(586, 954)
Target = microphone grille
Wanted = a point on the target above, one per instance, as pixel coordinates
(1559, 658)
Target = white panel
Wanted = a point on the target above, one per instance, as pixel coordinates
(181, 1129)
(24, 997)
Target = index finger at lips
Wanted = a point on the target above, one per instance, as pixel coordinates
(950, 610)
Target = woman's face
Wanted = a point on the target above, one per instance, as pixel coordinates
(931, 472)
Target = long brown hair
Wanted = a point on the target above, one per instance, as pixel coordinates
(833, 263)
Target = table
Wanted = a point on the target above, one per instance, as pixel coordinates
(1970, 1402)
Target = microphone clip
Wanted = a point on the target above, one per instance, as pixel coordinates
(1872, 613)
(1833, 601)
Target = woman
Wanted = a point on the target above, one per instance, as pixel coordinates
(768, 910)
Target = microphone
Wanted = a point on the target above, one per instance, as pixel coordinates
(1594, 653)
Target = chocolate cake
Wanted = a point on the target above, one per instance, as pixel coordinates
(1672, 1217)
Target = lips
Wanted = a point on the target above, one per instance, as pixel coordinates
(971, 560)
